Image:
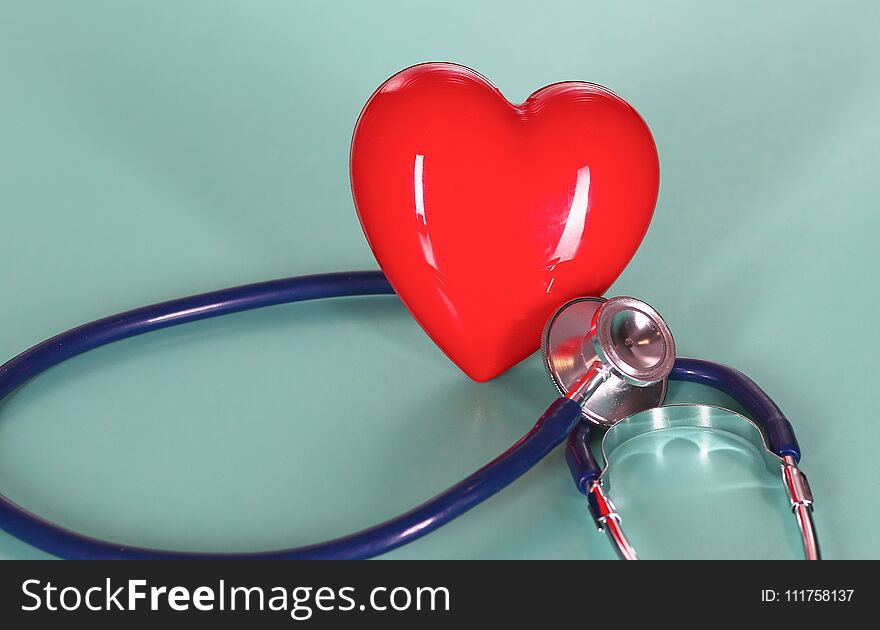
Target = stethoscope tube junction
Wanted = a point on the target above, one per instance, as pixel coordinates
(611, 368)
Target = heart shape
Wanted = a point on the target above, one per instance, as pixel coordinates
(486, 216)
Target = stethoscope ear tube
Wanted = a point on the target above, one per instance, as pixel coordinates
(580, 459)
(778, 439)
(777, 429)
(586, 472)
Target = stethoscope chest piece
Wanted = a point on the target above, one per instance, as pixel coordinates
(625, 336)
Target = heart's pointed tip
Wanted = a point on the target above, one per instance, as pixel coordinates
(482, 373)
(482, 377)
(495, 358)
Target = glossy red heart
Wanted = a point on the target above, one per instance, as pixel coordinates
(486, 216)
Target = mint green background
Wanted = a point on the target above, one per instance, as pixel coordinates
(153, 150)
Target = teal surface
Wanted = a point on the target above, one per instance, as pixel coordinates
(153, 150)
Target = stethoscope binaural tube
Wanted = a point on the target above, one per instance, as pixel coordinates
(553, 428)
(777, 437)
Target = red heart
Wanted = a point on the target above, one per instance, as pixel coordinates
(486, 216)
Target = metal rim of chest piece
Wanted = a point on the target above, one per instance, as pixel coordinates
(569, 347)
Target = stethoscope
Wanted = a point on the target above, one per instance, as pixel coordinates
(609, 359)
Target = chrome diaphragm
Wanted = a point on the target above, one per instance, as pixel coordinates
(623, 340)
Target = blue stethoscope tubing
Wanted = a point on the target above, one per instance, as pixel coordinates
(550, 431)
